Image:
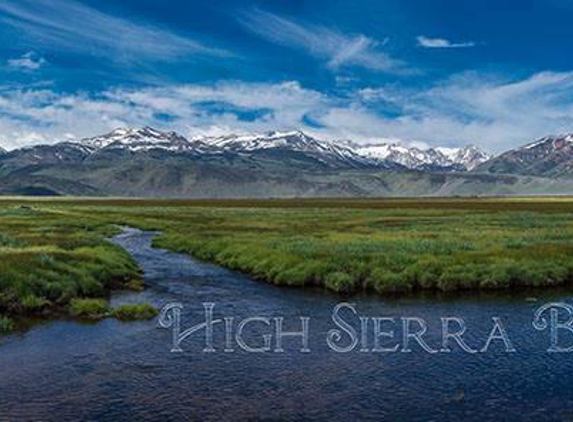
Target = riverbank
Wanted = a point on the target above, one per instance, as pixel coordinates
(384, 251)
(50, 259)
(55, 250)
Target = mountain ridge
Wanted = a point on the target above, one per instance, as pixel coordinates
(355, 155)
(145, 162)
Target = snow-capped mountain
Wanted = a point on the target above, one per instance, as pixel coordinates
(151, 163)
(346, 153)
(461, 159)
(278, 145)
(290, 145)
(294, 141)
(551, 156)
(143, 139)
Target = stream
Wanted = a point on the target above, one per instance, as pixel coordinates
(110, 370)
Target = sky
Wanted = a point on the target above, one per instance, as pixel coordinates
(496, 74)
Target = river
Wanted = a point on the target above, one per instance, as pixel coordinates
(67, 370)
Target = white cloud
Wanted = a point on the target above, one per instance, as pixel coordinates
(28, 61)
(336, 48)
(56, 116)
(494, 113)
(74, 27)
(489, 111)
(428, 42)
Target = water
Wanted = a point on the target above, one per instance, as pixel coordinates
(65, 370)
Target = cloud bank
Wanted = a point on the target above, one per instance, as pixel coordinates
(489, 111)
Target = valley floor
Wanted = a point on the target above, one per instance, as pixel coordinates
(55, 250)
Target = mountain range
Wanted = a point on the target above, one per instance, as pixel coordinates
(151, 163)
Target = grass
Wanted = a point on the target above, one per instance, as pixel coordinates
(95, 309)
(49, 257)
(385, 251)
(133, 312)
(53, 251)
(89, 308)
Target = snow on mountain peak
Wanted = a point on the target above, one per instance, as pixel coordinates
(147, 138)
(295, 140)
(417, 158)
(136, 139)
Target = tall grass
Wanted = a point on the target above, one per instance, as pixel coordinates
(396, 246)
(54, 251)
(50, 257)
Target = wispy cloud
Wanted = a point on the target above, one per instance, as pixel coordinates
(428, 42)
(74, 27)
(336, 48)
(29, 61)
(492, 112)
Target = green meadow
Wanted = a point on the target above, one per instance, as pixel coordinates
(54, 253)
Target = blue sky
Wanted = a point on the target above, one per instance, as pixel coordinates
(440, 73)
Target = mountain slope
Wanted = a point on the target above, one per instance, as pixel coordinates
(551, 157)
(181, 176)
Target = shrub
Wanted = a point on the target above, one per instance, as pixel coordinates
(89, 308)
(132, 312)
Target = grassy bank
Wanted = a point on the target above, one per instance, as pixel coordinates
(53, 251)
(393, 250)
(49, 257)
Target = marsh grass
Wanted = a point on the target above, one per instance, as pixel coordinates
(386, 251)
(93, 309)
(96, 309)
(133, 312)
(50, 257)
(55, 251)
